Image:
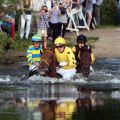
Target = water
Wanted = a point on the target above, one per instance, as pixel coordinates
(95, 98)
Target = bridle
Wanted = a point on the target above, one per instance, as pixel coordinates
(46, 60)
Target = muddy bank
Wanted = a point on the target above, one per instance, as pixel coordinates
(12, 57)
(108, 45)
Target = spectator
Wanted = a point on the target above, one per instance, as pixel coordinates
(62, 21)
(55, 13)
(43, 24)
(96, 10)
(17, 16)
(26, 17)
(9, 22)
(88, 10)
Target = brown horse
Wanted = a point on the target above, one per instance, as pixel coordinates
(48, 65)
(84, 63)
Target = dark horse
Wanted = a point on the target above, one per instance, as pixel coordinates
(48, 64)
(84, 63)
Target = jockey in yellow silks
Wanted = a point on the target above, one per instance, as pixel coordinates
(66, 59)
(34, 52)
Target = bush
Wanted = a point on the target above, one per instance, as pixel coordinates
(108, 12)
(5, 42)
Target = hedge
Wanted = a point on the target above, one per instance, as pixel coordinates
(108, 12)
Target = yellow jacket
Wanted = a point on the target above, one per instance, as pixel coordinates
(66, 56)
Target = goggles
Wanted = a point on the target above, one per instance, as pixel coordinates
(60, 46)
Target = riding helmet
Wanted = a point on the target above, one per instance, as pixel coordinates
(36, 38)
(59, 41)
(81, 38)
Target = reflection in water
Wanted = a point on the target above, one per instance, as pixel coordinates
(57, 102)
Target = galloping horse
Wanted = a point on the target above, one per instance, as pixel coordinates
(48, 64)
(84, 63)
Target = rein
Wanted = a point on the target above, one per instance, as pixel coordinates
(45, 62)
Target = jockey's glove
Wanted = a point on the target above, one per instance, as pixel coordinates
(63, 64)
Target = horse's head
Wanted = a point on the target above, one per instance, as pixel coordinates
(46, 60)
(85, 62)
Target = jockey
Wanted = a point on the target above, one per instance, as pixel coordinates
(81, 46)
(34, 52)
(66, 59)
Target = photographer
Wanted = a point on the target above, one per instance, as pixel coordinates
(43, 24)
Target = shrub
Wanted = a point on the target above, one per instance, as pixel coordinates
(5, 42)
(108, 12)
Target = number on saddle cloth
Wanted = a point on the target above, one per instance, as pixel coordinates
(85, 62)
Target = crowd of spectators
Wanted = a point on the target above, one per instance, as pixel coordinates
(47, 13)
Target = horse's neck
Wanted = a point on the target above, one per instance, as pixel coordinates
(52, 68)
(86, 57)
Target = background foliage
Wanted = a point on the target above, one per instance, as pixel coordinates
(108, 12)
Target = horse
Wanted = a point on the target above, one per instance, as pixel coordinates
(84, 63)
(48, 64)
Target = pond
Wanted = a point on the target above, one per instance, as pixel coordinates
(94, 98)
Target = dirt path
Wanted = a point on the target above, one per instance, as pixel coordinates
(108, 45)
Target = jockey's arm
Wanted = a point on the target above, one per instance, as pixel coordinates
(29, 57)
(74, 49)
(92, 58)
